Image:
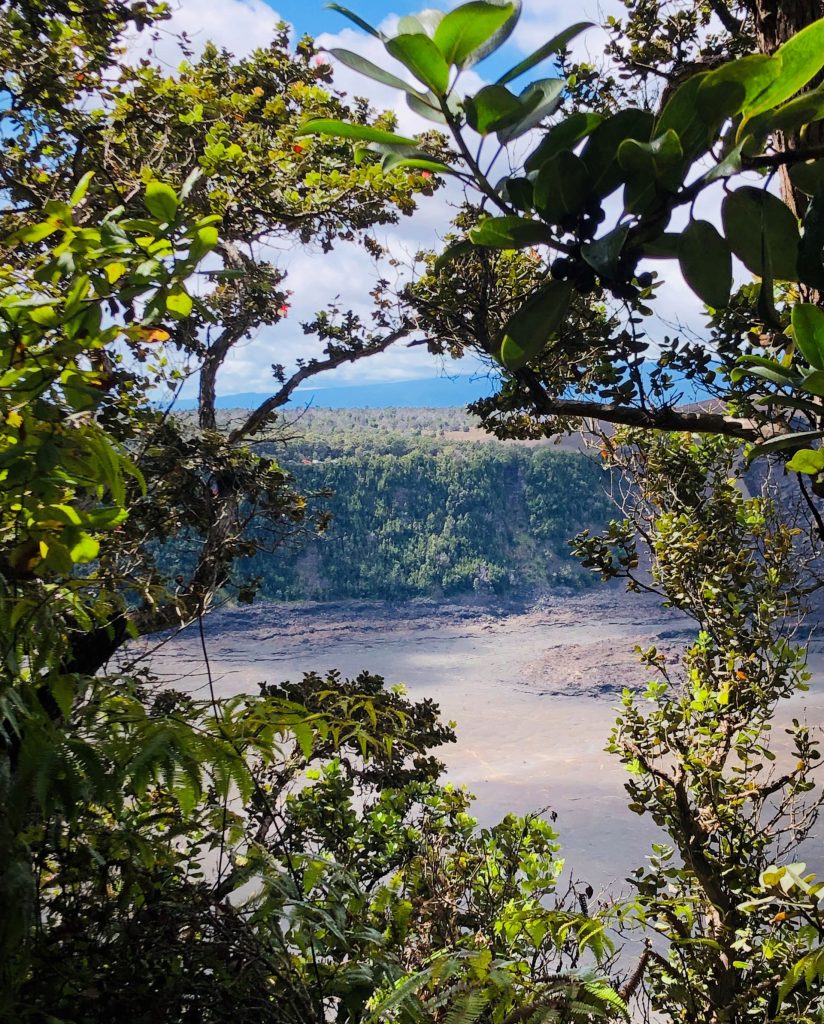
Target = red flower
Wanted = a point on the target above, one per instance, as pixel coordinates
(297, 148)
(283, 310)
(426, 174)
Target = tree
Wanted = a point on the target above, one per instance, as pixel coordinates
(697, 740)
(226, 127)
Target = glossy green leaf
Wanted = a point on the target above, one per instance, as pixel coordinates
(562, 187)
(419, 163)
(785, 442)
(161, 201)
(356, 20)
(85, 549)
(179, 302)
(808, 460)
(681, 114)
(752, 218)
(346, 130)
(419, 54)
(565, 135)
(370, 70)
(603, 254)
(813, 383)
(803, 110)
(81, 188)
(509, 233)
(736, 84)
(661, 160)
(808, 177)
(491, 108)
(528, 330)
(500, 35)
(538, 101)
(808, 330)
(600, 154)
(425, 22)
(467, 27)
(426, 106)
(811, 248)
(555, 45)
(706, 263)
(798, 61)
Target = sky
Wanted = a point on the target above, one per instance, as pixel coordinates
(346, 275)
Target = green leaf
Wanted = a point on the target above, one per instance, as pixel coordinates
(808, 177)
(600, 154)
(419, 54)
(346, 130)
(538, 100)
(85, 549)
(423, 22)
(706, 263)
(681, 115)
(603, 254)
(500, 35)
(784, 442)
(561, 137)
(467, 27)
(663, 158)
(813, 383)
(491, 108)
(808, 330)
(752, 218)
(179, 302)
(797, 62)
(81, 188)
(357, 20)
(667, 246)
(727, 90)
(161, 201)
(811, 248)
(527, 331)
(791, 116)
(562, 187)
(370, 70)
(508, 233)
(554, 45)
(453, 252)
(421, 162)
(808, 460)
(426, 106)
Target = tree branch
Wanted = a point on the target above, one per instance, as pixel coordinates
(629, 416)
(258, 417)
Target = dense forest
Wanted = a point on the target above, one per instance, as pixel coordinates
(295, 855)
(414, 513)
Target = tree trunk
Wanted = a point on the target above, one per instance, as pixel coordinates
(776, 21)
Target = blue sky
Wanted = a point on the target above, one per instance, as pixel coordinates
(347, 275)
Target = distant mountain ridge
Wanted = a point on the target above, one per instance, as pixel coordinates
(426, 393)
(423, 393)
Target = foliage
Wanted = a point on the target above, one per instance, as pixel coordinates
(696, 742)
(416, 518)
(576, 323)
(225, 127)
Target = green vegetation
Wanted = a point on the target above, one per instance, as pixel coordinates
(422, 518)
(293, 856)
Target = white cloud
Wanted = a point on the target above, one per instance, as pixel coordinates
(349, 273)
(238, 25)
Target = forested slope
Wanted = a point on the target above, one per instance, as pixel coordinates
(417, 514)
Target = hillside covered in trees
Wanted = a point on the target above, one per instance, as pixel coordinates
(410, 509)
